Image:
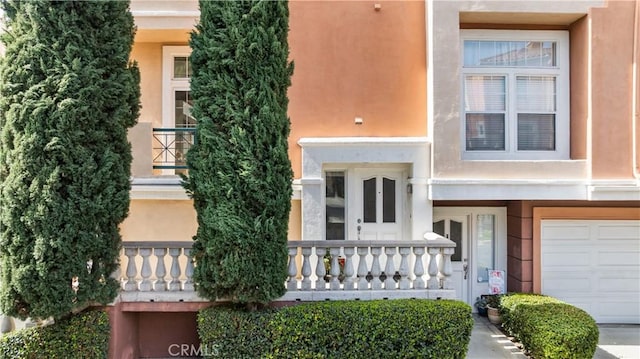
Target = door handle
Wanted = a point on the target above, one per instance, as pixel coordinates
(465, 269)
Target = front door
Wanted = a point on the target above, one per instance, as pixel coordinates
(378, 204)
(456, 228)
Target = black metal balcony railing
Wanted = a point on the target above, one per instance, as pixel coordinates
(170, 147)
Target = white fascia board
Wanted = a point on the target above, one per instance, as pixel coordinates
(614, 190)
(355, 141)
(170, 188)
(465, 189)
(161, 20)
(534, 189)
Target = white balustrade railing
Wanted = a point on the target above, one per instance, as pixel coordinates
(317, 270)
(370, 269)
(146, 271)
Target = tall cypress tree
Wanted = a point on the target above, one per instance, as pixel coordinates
(239, 170)
(68, 94)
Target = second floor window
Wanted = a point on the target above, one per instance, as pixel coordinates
(515, 95)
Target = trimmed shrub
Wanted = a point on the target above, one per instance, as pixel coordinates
(239, 170)
(549, 328)
(234, 332)
(406, 328)
(81, 336)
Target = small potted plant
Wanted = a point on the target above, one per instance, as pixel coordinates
(481, 305)
(493, 308)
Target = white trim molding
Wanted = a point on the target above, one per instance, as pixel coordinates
(533, 189)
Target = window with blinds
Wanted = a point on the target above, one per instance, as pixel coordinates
(512, 86)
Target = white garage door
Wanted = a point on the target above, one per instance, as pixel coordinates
(594, 265)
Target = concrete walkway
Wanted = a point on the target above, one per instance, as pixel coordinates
(617, 341)
(488, 342)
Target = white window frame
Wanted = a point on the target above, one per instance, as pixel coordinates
(561, 74)
(169, 84)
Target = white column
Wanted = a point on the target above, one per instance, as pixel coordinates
(161, 272)
(145, 272)
(418, 269)
(404, 267)
(349, 281)
(433, 268)
(335, 268)
(375, 268)
(188, 271)
(132, 271)
(306, 268)
(292, 270)
(390, 269)
(362, 268)
(175, 284)
(445, 268)
(321, 271)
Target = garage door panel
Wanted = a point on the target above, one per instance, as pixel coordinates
(594, 265)
(618, 258)
(566, 259)
(612, 231)
(618, 285)
(565, 232)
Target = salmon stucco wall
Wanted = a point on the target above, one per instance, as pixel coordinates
(611, 62)
(353, 60)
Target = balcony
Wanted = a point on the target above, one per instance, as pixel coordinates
(170, 147)
(318, 270)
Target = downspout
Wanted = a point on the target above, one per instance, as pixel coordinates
(635, 116)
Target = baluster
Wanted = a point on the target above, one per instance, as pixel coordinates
(132, 270)
(375, 268)
(418, 268)
(404, 267)
(7, 324)
(349, 281)
(321, 271)
(292, 271)
(445, 268)
(390, 268)
(362, 268)
(306, 269)
(145, 285)
(161, 271)
(175, 284)
(335, 268)
(188, 271)
(433, 282)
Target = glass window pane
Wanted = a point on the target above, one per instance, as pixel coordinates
(438, 227)
(486, 242)
(388, 200)
(456, 237)
(335, 205)
(536, 132)
(182, 108)
(485, 132)
(369, 200)
(181, 67)
(536, 93)
(484, 93)
(481, 53)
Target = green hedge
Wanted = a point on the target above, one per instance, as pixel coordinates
(549, 328)
(405, 328)
(81, 336)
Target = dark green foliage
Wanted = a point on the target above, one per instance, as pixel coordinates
(68, 94)
(234, 332)
(239, 170)
(82, 336)
(549, 328)
(407, 328)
